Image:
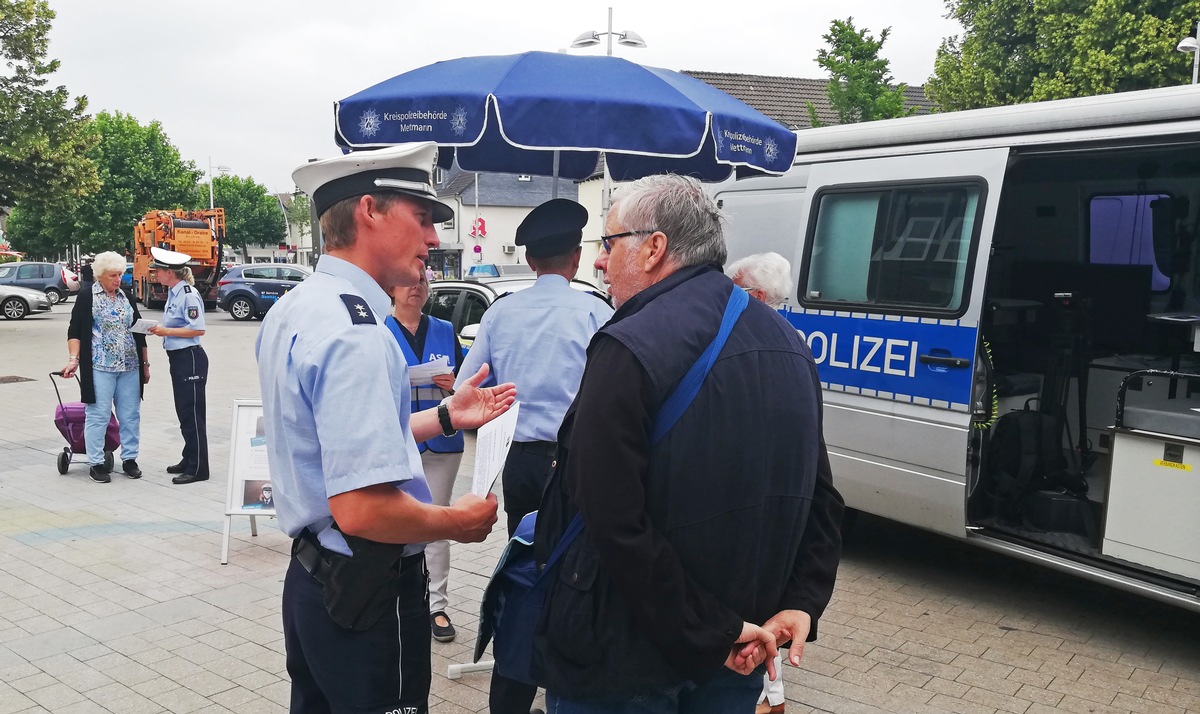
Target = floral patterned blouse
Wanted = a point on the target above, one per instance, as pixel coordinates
(113, 348)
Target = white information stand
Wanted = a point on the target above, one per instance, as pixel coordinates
(249, 492)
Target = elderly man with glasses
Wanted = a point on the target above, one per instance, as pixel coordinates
(703, 548)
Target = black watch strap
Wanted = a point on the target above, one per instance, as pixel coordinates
(444, 419)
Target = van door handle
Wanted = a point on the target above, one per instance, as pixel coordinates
(944, 361)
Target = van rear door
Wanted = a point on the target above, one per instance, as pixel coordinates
(890, 293)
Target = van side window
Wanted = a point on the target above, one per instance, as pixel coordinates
(1123, 230)
(896, 247)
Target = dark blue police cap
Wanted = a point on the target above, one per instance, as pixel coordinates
(553, 228)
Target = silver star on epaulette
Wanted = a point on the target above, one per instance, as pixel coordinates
(362, 312)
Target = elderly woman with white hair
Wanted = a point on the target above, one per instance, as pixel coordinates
(766, 276)
(111, 362)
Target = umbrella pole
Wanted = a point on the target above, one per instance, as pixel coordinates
(554, 187)
(604, 198)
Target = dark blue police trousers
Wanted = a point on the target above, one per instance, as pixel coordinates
(383, 670)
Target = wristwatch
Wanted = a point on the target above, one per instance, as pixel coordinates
(443, 412)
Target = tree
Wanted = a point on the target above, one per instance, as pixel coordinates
(140, 171)
(44, 134)
(299, 213)
(1016, 51)
(860, 83)
(252, 215)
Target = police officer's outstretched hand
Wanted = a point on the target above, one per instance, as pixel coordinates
(474, 516)
(471, 407)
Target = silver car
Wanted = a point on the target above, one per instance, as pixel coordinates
(17, 302)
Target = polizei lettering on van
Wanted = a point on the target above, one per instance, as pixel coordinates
(880, 356)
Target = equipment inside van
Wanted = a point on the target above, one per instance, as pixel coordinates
(975, 288)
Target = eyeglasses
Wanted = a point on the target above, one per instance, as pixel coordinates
(606, 241)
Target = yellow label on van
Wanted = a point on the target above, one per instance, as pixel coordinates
(1173, 465)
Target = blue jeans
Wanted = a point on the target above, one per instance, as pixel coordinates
(125, 389)
(726, 693)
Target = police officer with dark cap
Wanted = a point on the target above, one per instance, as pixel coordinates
(537, 338)
(181, 329)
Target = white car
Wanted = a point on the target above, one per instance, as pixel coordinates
(17, 302)
(71, 278)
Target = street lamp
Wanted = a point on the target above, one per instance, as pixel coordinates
(211, 168)
(1189, 44)
(629, 38)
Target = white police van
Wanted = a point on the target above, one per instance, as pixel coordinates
(953, 268)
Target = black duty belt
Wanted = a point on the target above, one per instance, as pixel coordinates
(545, 448)
(311, 556)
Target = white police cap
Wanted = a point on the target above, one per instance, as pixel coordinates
(403, 168)
(171, 259)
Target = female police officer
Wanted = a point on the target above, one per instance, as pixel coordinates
(181, 328)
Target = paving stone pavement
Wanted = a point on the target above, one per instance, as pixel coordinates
(112, 597)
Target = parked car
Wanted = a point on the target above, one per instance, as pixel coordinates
(499, 270)
(248, 291)
(71, 278)
(17, 302)
(463, 302)
(46, 277)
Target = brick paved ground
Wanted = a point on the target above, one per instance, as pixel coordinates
(112, 598)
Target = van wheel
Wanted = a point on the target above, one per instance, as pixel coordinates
(241, 309)
(55, 295)
(14, 308)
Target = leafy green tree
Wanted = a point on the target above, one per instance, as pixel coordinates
(252, 215)
(299, 213)
(141, 171)
(860, 81)
(44, 134)
(1016, 51)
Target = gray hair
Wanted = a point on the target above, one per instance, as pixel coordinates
(108, 262)
(769, 272)
(679, 207)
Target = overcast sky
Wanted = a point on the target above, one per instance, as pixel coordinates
(251, 83)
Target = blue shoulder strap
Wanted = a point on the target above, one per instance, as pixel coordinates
(689, 386)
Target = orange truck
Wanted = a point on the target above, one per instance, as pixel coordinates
(199, 233)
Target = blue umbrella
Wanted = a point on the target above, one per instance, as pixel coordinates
(551, 114)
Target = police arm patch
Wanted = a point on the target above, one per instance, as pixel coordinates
(193, 312)
(360, 311)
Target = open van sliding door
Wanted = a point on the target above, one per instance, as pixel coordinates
(890, 294)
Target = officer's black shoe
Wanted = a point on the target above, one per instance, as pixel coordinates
(188, 478)
(99, 474)
(176, 469)
(441, 633)
(130, 467)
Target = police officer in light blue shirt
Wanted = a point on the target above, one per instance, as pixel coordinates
(537, 338)
(181, 329)
(341, 441)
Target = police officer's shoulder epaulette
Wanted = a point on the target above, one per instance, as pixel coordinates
(187, 288)
(360, 311)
